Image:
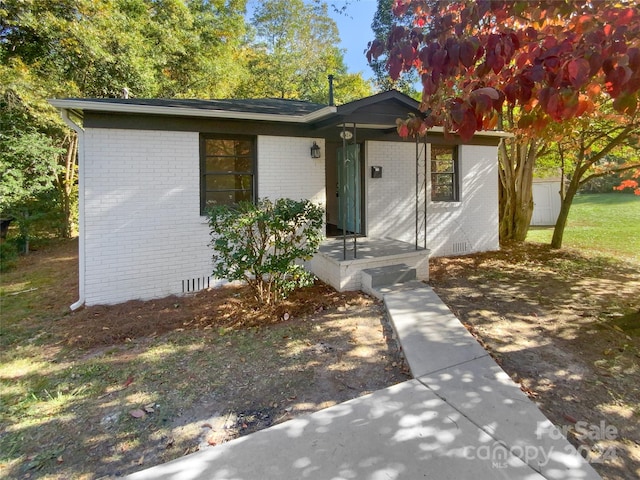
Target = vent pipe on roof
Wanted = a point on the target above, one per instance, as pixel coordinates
(125, 92)
(330, 90)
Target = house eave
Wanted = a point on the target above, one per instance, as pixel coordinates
(81, 105)
(480, 133)
(439, 130)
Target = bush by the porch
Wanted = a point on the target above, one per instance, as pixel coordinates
(261, 243)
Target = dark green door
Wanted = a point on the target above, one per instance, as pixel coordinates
(349, 189)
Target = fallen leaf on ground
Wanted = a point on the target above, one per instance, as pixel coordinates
(137, 413)
(528, 391)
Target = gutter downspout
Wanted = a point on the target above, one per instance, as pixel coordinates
(81, 243)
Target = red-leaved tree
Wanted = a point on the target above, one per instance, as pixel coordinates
(631, 184)
(519, 65)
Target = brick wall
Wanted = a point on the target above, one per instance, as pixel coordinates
(391, 199)
(143, 229)
(144, 235)
(286, 169)
(470, 225)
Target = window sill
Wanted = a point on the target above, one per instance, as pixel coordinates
(444, 203)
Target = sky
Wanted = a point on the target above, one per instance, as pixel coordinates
(355, 32)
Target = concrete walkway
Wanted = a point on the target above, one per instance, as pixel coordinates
(461, 417)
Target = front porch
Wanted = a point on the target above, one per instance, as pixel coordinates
(342, 267)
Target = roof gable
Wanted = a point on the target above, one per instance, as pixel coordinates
(390, 98)
(377, 111)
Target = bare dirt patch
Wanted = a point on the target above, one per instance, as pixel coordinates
(109, 390)
(567, 328)
(106, 391)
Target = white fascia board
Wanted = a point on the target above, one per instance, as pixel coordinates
(319, 114)
(189, 112)
(480, 133)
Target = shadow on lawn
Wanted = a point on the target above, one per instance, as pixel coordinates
(547, 317)
(562, 325)
(185, 384)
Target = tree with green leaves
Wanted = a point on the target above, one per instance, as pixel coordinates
(196, 46)
(96, 48)
(293, 50)
(591, 147)
(382, 25)
(28, 168)
(152, 47)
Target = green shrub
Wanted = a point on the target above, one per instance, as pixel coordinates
(263, 244)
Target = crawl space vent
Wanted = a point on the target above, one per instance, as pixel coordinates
(460, 247)
(195, 284)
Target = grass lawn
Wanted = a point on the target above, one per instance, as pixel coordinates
(603, 222)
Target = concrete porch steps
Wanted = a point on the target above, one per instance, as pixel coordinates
(412, 285)
(380, 280)
(342, 269)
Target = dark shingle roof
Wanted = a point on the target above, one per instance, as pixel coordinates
(270, 106)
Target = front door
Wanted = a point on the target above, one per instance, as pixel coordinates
(349, 189)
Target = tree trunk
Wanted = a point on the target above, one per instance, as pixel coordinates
(586, 159)
(66, 185)
(24, 229)
(517, 158)
(565, 206)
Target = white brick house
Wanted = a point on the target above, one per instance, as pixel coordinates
(148, 168)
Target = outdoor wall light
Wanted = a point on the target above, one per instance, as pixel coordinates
(315, 150)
